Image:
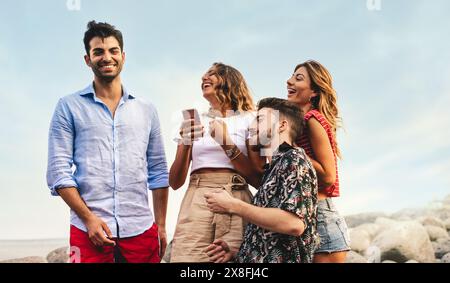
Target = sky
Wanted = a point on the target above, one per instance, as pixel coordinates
(389, 61)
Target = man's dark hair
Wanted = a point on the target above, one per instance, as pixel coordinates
(289, 111)
(102, 30)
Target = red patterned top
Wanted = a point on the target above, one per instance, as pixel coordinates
(305, 143)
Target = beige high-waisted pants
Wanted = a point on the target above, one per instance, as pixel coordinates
(198, 227)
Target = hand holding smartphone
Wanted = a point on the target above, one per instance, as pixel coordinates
(191, 128)
(192, 114)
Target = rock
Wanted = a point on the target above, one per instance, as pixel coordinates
(442, 212)
(60, 255)
(373, 254)
(362, 218)
(412, 261)
(403, 218)
(436, 233)
(404, 241)
(30, 259)
(166, 257)
(359, 239)
(447, 224)
(388, 261)
(408, 214)
(371, 228)
(446, 258)
(441, 247)
(432, 221)
(362, 236)
(354, 257)
(385, 223)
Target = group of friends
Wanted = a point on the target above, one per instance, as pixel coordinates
(106, 152)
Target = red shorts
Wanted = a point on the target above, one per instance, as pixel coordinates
(143, 248)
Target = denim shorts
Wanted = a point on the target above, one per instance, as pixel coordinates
(332, 229)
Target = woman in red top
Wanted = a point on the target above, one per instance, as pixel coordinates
(311, 88)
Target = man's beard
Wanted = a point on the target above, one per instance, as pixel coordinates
(263, 140)
(106, 78)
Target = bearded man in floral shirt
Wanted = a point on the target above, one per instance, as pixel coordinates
(282, 217)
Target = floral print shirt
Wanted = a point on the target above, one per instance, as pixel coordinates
(290, 184)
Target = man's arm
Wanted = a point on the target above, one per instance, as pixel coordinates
(272, 219)
(158, 179)
(60, 179)
(95, 226)
(60, 150)
(160, 199)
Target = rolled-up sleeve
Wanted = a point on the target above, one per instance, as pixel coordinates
(60, 150)
(158, 176)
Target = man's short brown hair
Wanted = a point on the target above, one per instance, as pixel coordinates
(289, 111)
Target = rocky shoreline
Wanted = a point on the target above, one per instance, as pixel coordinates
(407, 236)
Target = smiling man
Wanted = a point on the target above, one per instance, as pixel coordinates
(113, 142)
(282, 216)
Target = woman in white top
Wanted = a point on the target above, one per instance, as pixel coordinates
(221, 159)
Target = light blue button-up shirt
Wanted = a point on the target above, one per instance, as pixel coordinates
(112, 161)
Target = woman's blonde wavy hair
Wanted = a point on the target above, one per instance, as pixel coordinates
(232, 89)
(326, 100)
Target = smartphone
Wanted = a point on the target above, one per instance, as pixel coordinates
(189, 114)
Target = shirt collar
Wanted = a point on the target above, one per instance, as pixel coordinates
(285, 147)
(90, 91)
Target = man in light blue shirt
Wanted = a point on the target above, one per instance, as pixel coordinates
(105, 152)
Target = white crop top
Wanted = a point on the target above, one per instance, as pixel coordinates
(207, 153)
